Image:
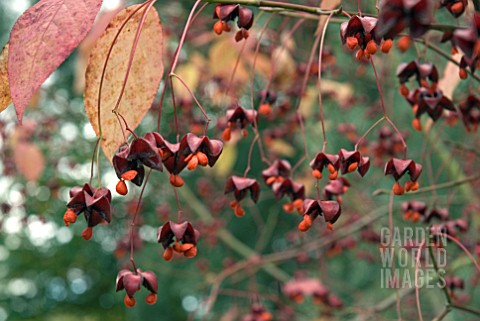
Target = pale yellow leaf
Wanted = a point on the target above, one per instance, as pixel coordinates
(263, 64)
(450, 79)
(227, 160)
(223, 57)
(190, 75)
(282, 148)
(5, 98)
(285, 67)
(327, 5)
(28, 160)
(342, 93)
(144, 79)
(309, 102)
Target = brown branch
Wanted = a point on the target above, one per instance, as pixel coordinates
(292, 8)
(433, 187)
(279, 6)
(466, 309)
(445, 55)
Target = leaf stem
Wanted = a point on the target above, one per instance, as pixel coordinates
(380, 93)
(319, 82)
(173, 65)
(132, 224)
(207, 119)
(435, 266)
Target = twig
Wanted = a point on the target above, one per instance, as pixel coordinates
(443, 314)
(279, 5)
(445, 55)
(435, 266)
(433, 187)
(466, 309)
(225, 236)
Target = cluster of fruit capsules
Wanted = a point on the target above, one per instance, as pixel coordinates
(451, 228)
(131, 282)
(241, 186)
(455, 7)
(345, 162)
(267, 99)
(154, 151)
(129, 161)
(470, 112)
(238, 118)
(415, 211)
(427, 98)
(258, 313)
(93, 203)
(178, 238)
(338, 246)
(468, 40)
(229, 12)
(360, 33)
(396, 15)
(277, 177)
(453, 283)
(400, 167)
(302, 286)
(335, 189)
(329, 210)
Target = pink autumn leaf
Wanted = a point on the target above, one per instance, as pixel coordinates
(41, 39)
(29, 160)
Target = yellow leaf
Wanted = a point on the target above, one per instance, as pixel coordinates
(282, 148)
(227, 160)
(309, 102)
(5, 99)
(450, 79)
(262, 65)
(191, 76)
(144, 79)
(342, 93)
(327, 5)
(223, 57)
(285, 66)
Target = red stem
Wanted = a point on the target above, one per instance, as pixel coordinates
(417, 292)
(320, 100)
(254, 63)
(368, 131)
(125, 123)
(250, 151)
(132, 225)
(207, 119)
(132, 52)
(234, 71)
(297, 107)
(464, 249)
(179, 207)
(382, 102)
